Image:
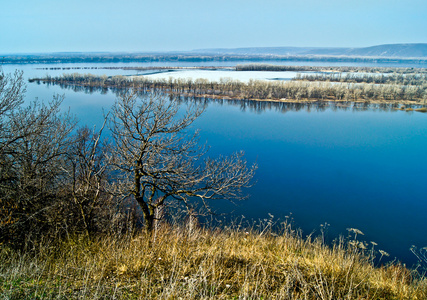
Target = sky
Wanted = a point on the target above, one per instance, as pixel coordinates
(29, 26)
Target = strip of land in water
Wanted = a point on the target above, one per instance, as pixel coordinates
(398, 89)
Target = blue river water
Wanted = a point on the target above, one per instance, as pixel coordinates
(350, 169)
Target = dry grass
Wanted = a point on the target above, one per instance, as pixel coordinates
(231, 263)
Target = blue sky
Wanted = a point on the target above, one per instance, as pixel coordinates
(166, 25)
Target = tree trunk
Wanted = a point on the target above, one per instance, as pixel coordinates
(148, 214)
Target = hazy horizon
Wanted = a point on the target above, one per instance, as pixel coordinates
(187, 51)
(131, 26)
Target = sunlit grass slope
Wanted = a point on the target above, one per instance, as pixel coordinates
(229, 263)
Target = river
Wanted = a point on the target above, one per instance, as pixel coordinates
(350, 169)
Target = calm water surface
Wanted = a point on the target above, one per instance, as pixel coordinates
(365, 170)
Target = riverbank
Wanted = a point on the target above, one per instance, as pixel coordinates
(180, 262)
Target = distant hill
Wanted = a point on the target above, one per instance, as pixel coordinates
(408, 53)
(271, 51)
(390, 50)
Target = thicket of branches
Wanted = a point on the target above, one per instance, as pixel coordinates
(51, 172)
(58, 179)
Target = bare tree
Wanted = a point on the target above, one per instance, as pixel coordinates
(33, 142)
(88, 175)
(160, 162)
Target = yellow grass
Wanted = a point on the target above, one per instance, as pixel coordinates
(175, 263)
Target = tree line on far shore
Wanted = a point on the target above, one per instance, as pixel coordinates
(339, 69)
(395, 78)
(253, 90)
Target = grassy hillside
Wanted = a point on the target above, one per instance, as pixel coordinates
(187, 263)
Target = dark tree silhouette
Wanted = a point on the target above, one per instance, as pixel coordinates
(161, 163)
